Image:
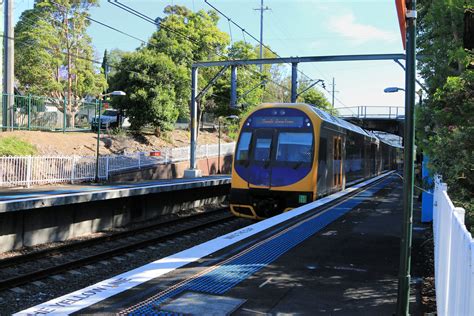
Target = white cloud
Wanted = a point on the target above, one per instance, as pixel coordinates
(346, 26)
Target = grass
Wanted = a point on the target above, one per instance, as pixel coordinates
(12, 146)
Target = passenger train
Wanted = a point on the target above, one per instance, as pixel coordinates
(290, 154)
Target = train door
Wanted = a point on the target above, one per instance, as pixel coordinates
(261, 153)
(373, 160)
(337, 162)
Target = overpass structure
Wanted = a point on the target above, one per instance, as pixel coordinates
(376, 118)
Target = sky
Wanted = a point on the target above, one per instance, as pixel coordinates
(291, 28)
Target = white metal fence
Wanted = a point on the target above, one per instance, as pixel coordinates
(26, 171)
(454, 256)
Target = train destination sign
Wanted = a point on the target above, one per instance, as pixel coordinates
(278, 121)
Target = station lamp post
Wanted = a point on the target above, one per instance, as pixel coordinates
(101, 96)
(230, 117)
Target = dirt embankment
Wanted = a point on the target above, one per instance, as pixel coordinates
(84, 143)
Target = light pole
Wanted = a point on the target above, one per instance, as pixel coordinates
(230, 117)
(101, 96)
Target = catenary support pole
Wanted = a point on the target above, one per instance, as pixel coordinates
(294, 82)
(8, 70)
(333, 90)
(97, 148)
(194, 88)
(233, 86)
(406, 239)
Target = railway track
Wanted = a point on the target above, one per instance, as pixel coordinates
(24, 269)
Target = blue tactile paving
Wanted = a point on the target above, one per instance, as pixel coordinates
(226, 276)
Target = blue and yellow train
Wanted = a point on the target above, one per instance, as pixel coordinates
(290, 154)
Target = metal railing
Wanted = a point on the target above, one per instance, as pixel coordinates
(454, 256)
(27, 171)
(30, 112)
(381, 112)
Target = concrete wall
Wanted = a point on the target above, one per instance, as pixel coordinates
(208, 166)
(57, 223)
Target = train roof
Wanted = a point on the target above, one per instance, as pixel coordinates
(326, 117)
(340, 122)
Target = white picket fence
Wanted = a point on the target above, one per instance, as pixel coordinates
(454, 256)
(27, 171)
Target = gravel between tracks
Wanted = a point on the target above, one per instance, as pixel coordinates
(47, 289)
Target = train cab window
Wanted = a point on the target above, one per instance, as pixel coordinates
(243, 147)
(294, 147)
(262, 149)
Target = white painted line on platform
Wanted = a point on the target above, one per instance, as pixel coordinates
(100, 291)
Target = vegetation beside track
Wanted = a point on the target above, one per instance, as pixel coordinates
(12, 146)
(445, 119)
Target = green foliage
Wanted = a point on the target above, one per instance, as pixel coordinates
(316, 98)
(440, 33)
(53, 53)
(149, 79)
(445, 123)
(249, 88)
(12, 146)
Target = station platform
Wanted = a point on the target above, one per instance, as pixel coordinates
(22, 199)
(336, 256)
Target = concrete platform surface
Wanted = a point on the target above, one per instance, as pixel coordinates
(20, 199)
(341, 260)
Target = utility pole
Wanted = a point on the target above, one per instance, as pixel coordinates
(262, 9)
(333, 90)
(8, 66)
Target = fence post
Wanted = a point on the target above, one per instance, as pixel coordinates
(73, 169)
(107, 167)
(207, 150)
(139, 166)
(166, 156)
(29, 112)
(28, 171)
(64, 114)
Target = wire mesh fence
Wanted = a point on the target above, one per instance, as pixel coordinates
(29, 170)
(20, 112)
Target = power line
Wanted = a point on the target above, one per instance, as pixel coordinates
(246, 32)
(162, 25)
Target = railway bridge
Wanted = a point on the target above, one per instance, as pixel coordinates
(376, 118)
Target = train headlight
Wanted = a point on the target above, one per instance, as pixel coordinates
(302, 198)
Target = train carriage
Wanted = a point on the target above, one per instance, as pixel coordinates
(290, 154)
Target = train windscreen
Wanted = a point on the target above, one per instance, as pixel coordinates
(275, 147)
(289, 131)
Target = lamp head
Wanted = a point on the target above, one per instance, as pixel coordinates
(117, 93)
(392, 89)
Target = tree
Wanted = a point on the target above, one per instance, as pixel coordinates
(315, 97)
(54, 55)
(446, 119)
(249, 83)
(148, 78)
(186, 37)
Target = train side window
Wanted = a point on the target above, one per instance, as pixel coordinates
(337, 148)
(243, 147)
(323, 144)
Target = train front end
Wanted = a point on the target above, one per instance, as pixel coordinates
(275, 161)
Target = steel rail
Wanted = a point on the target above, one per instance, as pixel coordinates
(74, 263)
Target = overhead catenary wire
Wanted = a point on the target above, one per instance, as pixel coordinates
(98, 62)
(246, 32)
(162, 25)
